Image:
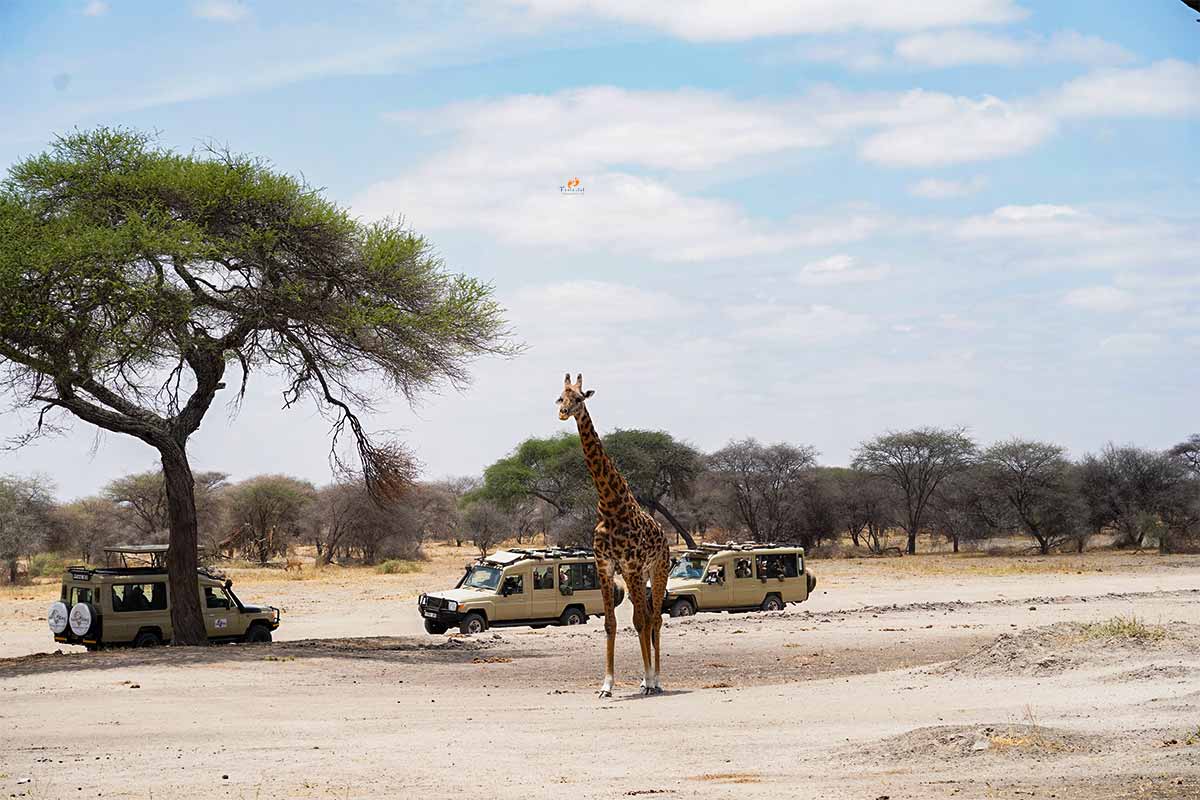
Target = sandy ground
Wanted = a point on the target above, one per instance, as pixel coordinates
(921, 677)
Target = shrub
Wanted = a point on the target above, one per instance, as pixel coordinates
(43, 565)
(395, 566)
(1120, 627)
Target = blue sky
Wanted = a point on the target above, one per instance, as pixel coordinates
(808, 221)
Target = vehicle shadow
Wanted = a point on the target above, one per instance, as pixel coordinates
(391, 649)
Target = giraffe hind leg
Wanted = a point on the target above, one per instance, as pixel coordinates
(658, 590)
(610, 624)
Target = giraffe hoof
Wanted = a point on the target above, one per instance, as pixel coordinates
(605, 693)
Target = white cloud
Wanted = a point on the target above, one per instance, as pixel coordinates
(1164, 89)
(964, 130)
(950, 48)
(599, 302)
(221, 10)
(1131, 344)
(789, 325)
(840, 269)
(940, 189)
(95, 8)
(1099, 298)
(721, 20)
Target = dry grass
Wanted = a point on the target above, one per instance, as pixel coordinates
(1119, 627)
(395, 566)
(730, 777)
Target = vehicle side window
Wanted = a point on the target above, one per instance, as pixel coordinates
(543, 577)
(139, 596)
(515, 584)
(741, 568)
(580, 577)
(79, 594)
(215, 599)
(777, 566)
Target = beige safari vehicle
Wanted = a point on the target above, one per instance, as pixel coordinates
(130, 604)
(519, 586)
(738, 577)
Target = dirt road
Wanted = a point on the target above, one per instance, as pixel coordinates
(897, 682)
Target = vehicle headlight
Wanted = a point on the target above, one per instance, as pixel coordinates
(451, 605)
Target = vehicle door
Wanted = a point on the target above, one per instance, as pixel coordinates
(544, 600)
(136, 605)
(717, 589)
(512, 598)
(221, 615)
(747, 589)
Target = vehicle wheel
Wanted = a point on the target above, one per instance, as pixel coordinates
(772, 603)
(434, 627)
(258, 634)
(682, 608)
(473, 623)
(147, 639)
(572, 616)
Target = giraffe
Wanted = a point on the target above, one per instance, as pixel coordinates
(627, 539)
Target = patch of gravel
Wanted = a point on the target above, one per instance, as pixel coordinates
(1053, 649)
(941, 742)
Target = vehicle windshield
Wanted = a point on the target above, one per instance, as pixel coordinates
(689, 568)
(482, 577)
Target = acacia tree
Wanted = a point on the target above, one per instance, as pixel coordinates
(1034, 481)
(25, 507)
(766, 485)
(132, 276)
(916, 462)
(144, 496)
(267, 512)
(657, 468)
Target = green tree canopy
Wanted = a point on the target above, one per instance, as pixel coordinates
(132, 275)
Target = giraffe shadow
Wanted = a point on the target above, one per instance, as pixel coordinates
(664, 693)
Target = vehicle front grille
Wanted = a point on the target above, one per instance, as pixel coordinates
(433, 602)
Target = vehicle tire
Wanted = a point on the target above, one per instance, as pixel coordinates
(58, 617)
(812, 582)
(258, 634)
(682, 608)
(772, 603)
(572, 616)
(84, 620)
(147, 639)
(473, 623)
(434, 627)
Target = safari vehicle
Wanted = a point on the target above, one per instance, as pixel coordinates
(130, 604)
(737, 577)
(534, 587)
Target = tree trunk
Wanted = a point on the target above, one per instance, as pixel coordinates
(912, 542)
(12, 571)
(186, 616)
(682, 531)
(954, 539)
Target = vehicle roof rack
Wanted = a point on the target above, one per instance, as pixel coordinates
(154, 555)
(719, 547)
(541, 553)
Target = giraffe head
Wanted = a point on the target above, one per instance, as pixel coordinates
(570, 402)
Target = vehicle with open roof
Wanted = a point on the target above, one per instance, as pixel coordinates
(129, 603)
(738, 576)
(519, 586)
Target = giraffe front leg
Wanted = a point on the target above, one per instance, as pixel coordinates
(642, 626)
(610, 624)
(658, 590)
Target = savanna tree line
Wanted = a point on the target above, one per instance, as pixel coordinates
(930, 482)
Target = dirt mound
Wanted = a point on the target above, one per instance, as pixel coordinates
(1153, 672)
(1054, 649)
(973, 741)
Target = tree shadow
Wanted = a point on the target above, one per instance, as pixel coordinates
(389, 649)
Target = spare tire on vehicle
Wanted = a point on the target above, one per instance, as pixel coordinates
(58, 617)
(84, 619)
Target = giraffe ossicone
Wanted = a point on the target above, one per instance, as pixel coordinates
(626, 540)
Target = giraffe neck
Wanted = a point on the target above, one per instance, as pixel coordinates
(610, 484)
